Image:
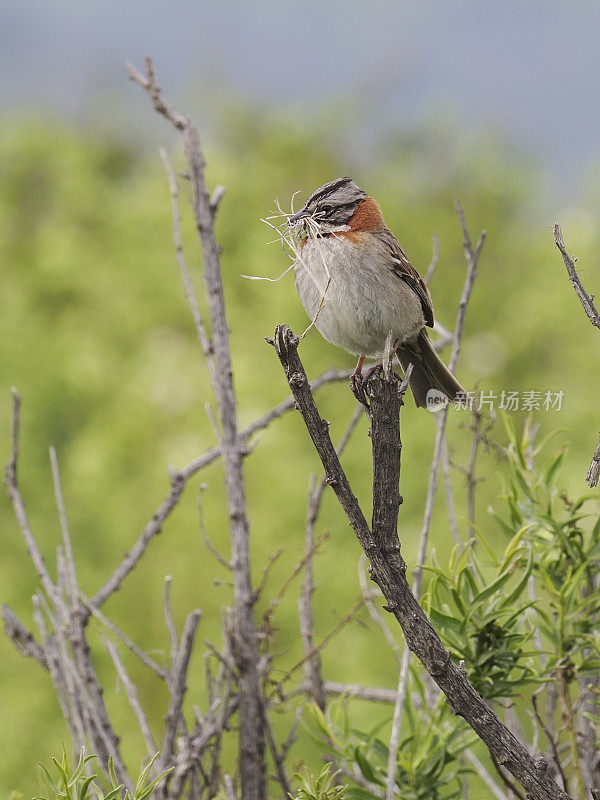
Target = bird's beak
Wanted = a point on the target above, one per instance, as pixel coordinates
(299, 215)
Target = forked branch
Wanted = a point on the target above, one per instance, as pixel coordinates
(388, 569)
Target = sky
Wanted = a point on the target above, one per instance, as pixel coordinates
(530, 68)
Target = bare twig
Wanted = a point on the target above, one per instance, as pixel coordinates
(390, 786)
(472, 257)
(18, 504)
(229, 788)
(132, 696)
(71, 588)
(143, 657)
(292, 735)
(374, 612)
(267, 569)
(551, 740)
(177, 690)
(188, 285)
(221, 559)
(22, 638)
(169, 621)
(585, 299)
(592, 314)
(450, 505)
(322, 644)
(268, 612)
(434, 259)
(485, 776)
(278, 759)
(305, 606)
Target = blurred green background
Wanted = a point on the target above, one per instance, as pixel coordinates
(98, 339)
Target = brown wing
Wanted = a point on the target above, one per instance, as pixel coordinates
(402, 267)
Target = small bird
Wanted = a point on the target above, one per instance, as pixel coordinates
(357, 285)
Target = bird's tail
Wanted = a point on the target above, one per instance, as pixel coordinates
(429, 371)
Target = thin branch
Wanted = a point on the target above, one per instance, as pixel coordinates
(472, 257)
(23, 640)
(132, 696)
(18, 504)
(551, 740)
(148, 82)
(370, 693)
(203, 337)
(268, 612)
(72, 591)
(485, 776)
(221, 559)
(585, 299)
(229, 787)
(434, 259)
(169, 621)
(143, 657)
(322, 644)
(450, 505)
(390, 786)
(267, 569)
(292, 735)
(305, 603)
(177, 690)
(374, 612)
(278, 758)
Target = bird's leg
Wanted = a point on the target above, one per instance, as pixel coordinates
(356, 376)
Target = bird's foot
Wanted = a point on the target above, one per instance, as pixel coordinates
(357, 387)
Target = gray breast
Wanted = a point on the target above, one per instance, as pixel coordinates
(362, 299)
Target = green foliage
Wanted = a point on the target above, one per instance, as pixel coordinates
(543, 584)
(321, 787)
(427, 766)
(483, 616)
(75, 783)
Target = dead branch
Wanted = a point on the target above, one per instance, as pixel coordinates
(18, 504)
(305, 603)
(587, 301)
(143, 657)
(251, 735)
(23, 640)
(388, 568)
(177, 689)
(369, 594)
(132, 695)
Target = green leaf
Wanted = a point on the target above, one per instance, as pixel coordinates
(365, 767)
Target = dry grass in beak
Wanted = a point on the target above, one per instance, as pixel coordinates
(290, 236)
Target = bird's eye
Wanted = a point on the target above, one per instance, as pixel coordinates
(326, 209)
